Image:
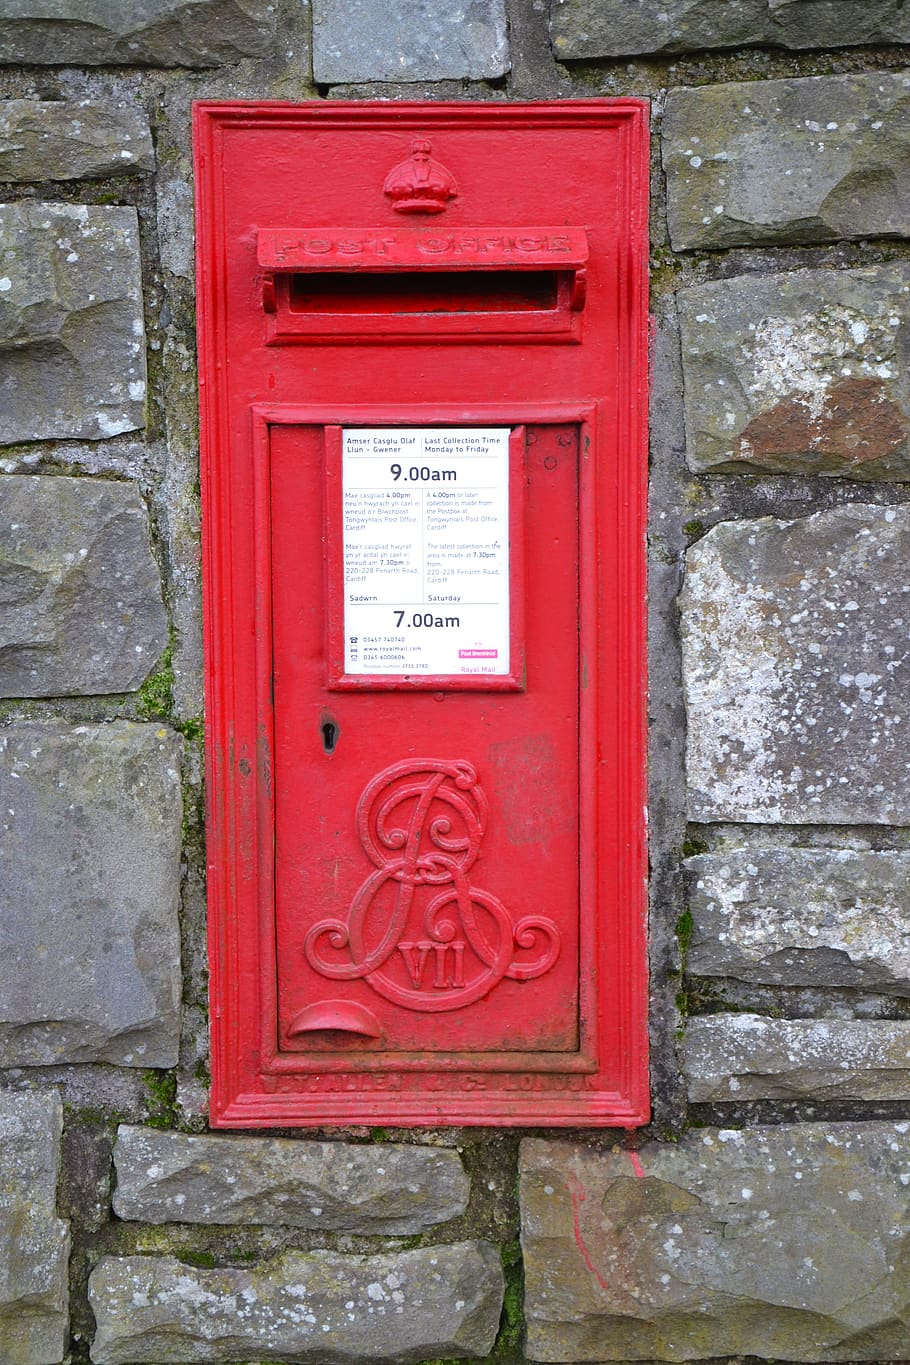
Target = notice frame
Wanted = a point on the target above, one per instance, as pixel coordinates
(472, 674)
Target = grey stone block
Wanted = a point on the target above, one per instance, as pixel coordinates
(90, 846)
(408, 40)
(802, 373)
(119, 459)
(837, 23)
(583, 29)
(802, 917)
(338, 1186)
(56, 140)
(33, 1267)
(176, 240)
(135, 32)
(785, 1243)
(72, 342)
(808, 160)
(795, 665)
(736, 1057)
(312, 1309)
(80, 597)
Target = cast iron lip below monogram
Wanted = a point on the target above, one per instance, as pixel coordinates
(421, 822)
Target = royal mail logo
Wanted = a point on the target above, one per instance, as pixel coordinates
(417, 931)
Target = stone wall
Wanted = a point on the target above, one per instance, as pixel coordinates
(764, 1212)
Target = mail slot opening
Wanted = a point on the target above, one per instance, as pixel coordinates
(373, 285)
(412, 291)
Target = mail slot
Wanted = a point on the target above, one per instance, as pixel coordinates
(339, 283)
(423, 346)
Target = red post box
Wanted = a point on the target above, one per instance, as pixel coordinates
(422, 333)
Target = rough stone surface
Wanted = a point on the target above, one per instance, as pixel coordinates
(322, 1307)
(796, 661)
(803, 373)
(54, 140)
(727, 1057)
(836, 23)
(614, 28)
(164, 1177)
(72, 350)
(90, 845)
(135, 32)
(617, 28)
(802, 917)
(786, 1243)
(79, 588)
(121, 458)
(370, 40)
(33, 1267)
(810, 160)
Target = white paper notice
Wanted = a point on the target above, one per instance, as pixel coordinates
(426, 550)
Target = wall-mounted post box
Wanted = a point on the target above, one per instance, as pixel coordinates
(422, 355)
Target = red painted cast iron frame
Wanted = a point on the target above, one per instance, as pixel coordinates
(252, 1085)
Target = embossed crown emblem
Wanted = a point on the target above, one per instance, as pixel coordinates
(420, 184)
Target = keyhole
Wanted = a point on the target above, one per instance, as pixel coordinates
(329, 735)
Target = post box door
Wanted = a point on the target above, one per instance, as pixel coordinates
(427, 861)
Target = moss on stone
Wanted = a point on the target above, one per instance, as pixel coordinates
(155, 696)
(512, 1323)
(191, 729)
(684, 934)
(162, 1093)
(202, 1260)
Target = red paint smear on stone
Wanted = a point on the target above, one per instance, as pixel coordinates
(636, 1165)
(577, 1195)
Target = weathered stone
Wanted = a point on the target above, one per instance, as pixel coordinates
(135, 32)
(785, 1243)
(735, 1057)
(169, 1177)
(122, 458)
(87, 1165)
(80, 599)
(53, 140)
(72, 350)
(369, 40)
(795, 661)
(809, 160)
(614, 28)
(837, 23)
(174, 195)
(803, 373)
(33, 1267)
(617, 28)
(440, 1301)
(802, 917)
(90, 848)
